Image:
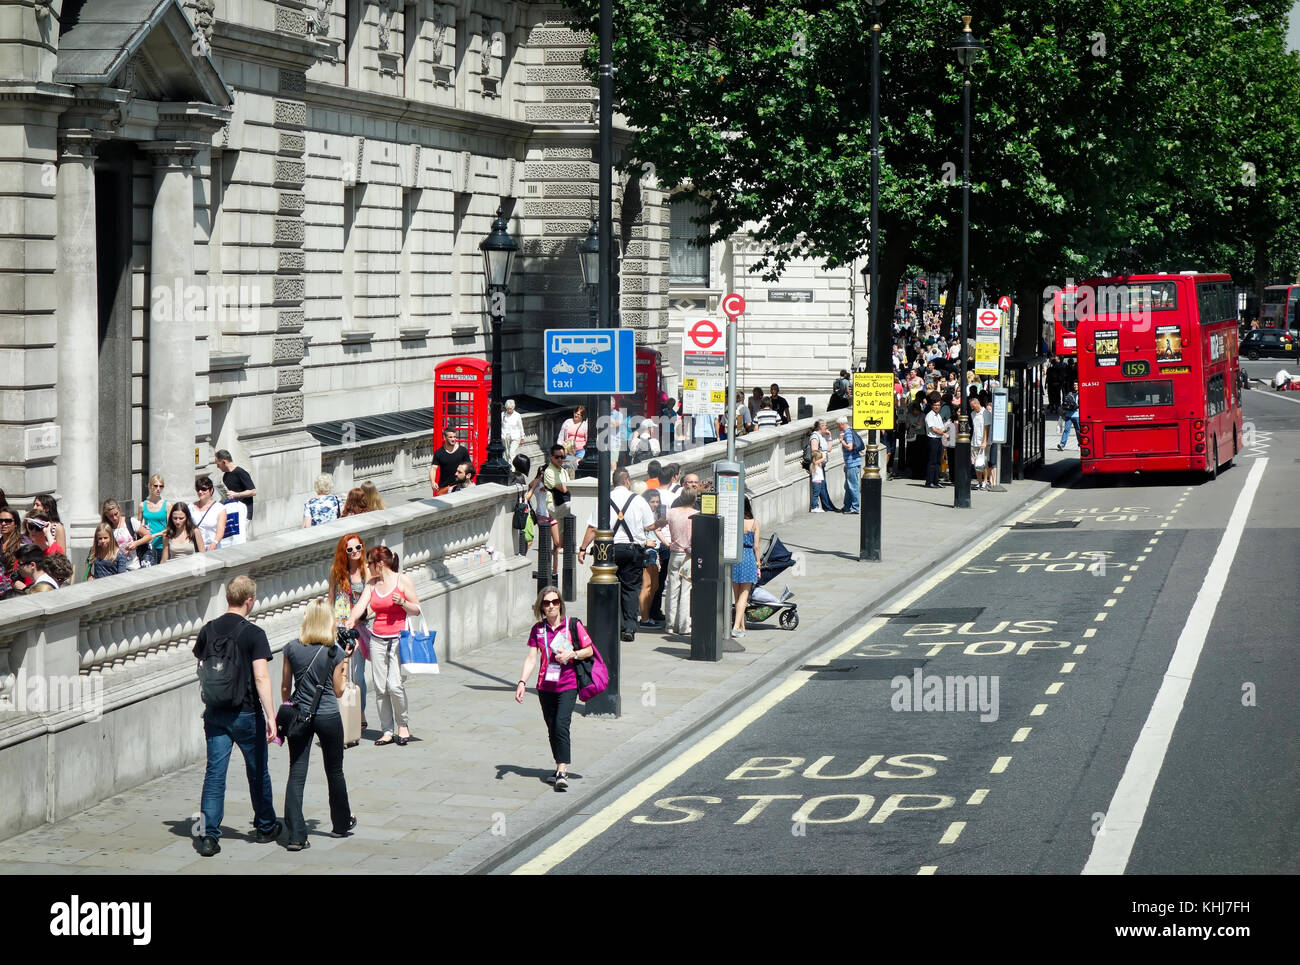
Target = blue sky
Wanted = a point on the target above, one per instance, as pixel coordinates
(1293, 35)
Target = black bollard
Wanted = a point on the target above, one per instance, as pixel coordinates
(543, 556)
(568, 531)
(708, 586)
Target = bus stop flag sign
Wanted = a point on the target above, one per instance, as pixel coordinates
(590, 361)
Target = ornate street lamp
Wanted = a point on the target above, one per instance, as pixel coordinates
(498, 257)
(968, 50)
(879, 329)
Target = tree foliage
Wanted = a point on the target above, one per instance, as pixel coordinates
(1107, 135)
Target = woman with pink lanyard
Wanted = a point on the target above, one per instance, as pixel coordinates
(390, 595)
(557, 685)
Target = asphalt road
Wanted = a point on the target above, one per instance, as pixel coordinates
(1005, 715)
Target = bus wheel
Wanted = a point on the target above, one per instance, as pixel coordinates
(1235, 449)
(1212, 469)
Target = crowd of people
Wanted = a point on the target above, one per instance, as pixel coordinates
(34, 549)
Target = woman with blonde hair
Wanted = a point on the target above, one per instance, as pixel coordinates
(130, 534)
(106, 557)
(154, 516)
(370, 492)
(316, 665)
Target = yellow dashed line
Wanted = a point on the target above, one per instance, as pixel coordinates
(1054, 689)
(928, 869)
(979, 796)
(1089, 633)
(1038, 711)
(1020, 735)
(1067, 667)
(953, 833)
(1000, 765)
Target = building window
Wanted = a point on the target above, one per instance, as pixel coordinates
(688, 264)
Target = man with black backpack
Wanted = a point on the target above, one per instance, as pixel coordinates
(631, 519)
(235, 684)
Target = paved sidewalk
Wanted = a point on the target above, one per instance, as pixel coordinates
(470, 788)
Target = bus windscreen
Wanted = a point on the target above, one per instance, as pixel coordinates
(1129, 395)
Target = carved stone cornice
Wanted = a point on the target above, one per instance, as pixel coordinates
(177, 155)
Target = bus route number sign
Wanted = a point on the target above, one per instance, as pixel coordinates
(1136, 370)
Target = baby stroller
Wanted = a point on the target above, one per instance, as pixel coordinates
(763, 604)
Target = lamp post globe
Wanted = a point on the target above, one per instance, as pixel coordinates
(498, 258)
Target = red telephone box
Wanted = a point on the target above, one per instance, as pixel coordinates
(649, 366)
(462, 400)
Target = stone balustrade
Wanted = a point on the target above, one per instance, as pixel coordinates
(97, 684)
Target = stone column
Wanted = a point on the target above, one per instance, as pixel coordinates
(77, 352)
(170, 392)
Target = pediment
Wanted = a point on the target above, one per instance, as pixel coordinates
(148, 47)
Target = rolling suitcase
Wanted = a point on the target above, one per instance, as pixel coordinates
(350, 709)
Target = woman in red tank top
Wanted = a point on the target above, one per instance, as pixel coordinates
(391, 596)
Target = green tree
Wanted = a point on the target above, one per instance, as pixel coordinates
(1105, 137)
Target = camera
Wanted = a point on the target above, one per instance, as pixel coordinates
(348, 638)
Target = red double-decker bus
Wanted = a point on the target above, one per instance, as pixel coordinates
(1065, 320)
(1281, 308)
(1158, 373)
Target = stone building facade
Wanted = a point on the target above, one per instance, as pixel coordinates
(224, 222)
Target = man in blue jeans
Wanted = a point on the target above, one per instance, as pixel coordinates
(1069, 416)
(851, 442)
(250, 723)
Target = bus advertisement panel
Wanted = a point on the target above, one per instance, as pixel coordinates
(1158, 373)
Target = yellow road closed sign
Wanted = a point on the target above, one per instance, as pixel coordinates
(873, 400)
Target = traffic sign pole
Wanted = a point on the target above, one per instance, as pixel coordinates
(729, 420)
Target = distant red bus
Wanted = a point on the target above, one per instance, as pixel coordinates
(1158, 371)
(1278, 311)
(1065, 320)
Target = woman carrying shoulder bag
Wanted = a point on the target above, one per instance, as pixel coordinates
(557, 684)
(391, 596)
(316, 664)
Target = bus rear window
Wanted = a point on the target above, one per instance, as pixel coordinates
(1133, 395)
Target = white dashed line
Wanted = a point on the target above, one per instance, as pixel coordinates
(1020, 735)
(1089, 633)
(1111, 602)
(1099, 618)
(1054, 689)
(1118, 589)
(1000, 765)
(979, 796)
(928, 869)
(953, 833)
(1113, 845)
(1067, 667)
(1127, 579)
(1038, 711)
(1080, 648)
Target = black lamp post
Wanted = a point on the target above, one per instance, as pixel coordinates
(498, 255)
(589, 258)
(878, 337)
(603, 589)
(968, 50)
